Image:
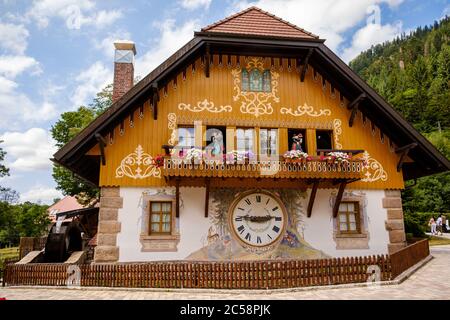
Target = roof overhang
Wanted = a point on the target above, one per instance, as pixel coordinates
(427, 159)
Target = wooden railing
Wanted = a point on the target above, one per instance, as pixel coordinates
(409, 256)
(222, 275)
(265, 169)
(195, 274)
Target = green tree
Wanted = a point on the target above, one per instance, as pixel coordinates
(22, 220)
(65, 129)
(4, 171)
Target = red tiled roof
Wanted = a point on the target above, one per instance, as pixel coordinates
(254, 21)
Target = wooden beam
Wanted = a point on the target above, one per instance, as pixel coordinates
(305, 65)
(207, 60)
(312, 197)
(155, 99)
(207, 183)
(354, 105)
(337, 203)
(407, 147)
(403, 153)
(102, 144)
(177, 198)
(352, 116)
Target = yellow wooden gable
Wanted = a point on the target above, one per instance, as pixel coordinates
(219, 100)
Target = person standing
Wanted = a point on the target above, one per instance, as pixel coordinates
(444, 223)
(432, 224)
(439, 225)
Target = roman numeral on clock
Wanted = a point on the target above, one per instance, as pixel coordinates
(276, 229)
(275, 209)
(238, 218)
(248, 201)
(258, 240)
(241, 229)
(277, 218)
(248, 237)
(258, 198)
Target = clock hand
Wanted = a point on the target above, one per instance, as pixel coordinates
(259, 218)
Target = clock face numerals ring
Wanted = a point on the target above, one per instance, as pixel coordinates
(257, 219)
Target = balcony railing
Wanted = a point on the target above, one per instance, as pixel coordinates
(314, 168)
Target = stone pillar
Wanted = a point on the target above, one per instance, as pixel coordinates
(394, 223)
(107, 250)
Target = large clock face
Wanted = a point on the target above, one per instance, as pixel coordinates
(258, 219)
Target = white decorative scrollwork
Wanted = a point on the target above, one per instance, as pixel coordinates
(255, 103)
(172, 125)
(138, 165)
(205, 105)
(337, 132)
(373, 170)
(305, 110)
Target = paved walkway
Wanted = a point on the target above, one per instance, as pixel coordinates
(418, 286)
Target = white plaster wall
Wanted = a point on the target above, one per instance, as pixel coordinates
(319, 227)
(193, 225)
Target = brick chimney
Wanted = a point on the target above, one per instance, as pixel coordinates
(123, 68)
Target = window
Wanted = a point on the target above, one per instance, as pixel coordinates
(300, 139)
(255, 80)
(160, 217)
(244, 139)
(186, 137)
(186, 140)
(324, 139)
(349, 218)
(268, 145)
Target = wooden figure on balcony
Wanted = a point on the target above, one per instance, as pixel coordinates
(215, 148)
(297, 140)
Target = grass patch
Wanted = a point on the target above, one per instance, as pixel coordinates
(438, 241)
(8, 253)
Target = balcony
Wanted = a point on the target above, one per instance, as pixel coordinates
(314, 168)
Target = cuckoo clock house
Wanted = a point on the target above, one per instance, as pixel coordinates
(252, 141)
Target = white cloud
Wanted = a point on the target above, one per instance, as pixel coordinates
(14, 37)
(40, 193)
(12, 66)
(29, 150)
(369, 35)
(6, 85)
(18, 110)
(328, 19)
(106, 45)
(91, 81)
(195, 4)
(172, 38)
(75, 13)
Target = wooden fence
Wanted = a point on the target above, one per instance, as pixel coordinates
(219, 275)
(409, 256)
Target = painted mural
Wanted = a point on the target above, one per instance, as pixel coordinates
(221, 244)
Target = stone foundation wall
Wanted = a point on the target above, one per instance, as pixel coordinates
(107, 250)
(394, 223)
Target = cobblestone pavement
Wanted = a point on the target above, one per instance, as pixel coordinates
(429, 282)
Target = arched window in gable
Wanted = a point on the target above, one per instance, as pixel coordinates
(255, 80)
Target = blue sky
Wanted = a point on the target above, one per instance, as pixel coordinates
(56, 54)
